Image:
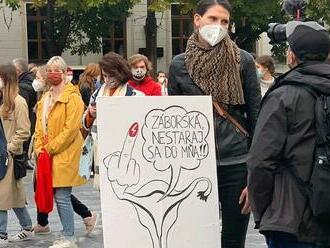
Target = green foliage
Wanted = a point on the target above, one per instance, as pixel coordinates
(13, 4)
(79, 25)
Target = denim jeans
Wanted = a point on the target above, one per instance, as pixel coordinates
(65, 210)
(78, 207)
(285, 240)
(232, 179)
(22, 215)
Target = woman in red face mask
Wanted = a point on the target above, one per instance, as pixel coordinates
(57, 132)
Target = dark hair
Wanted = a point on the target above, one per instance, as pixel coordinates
(116, 66)
(268, 62)
(159, 72)
(204, 5)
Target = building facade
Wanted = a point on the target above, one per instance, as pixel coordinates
(22, 35)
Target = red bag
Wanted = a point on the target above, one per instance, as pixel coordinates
(44, 185)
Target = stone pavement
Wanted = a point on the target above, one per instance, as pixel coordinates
(89, 196)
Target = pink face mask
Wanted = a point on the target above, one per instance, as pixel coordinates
(54, 78)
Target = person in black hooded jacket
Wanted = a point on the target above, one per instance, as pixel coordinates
(213, 65)
(25, 79)
(285, 135)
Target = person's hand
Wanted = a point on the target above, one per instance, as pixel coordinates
(92, 110)
(121, 167)
(244, 198)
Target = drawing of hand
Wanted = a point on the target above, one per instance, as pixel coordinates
(121, 167)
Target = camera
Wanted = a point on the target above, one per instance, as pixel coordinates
(276, 31)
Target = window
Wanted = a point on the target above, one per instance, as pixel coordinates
(182, 28)
(116, 41)
(36, 33)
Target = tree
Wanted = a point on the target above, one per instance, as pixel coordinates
(250, 18)
(78, 25)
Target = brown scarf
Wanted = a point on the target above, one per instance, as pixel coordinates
(216, 70)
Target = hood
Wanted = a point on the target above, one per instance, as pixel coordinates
(26, 77)
(313, 74)
(69, 89)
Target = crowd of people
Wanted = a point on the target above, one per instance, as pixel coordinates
(272, 126)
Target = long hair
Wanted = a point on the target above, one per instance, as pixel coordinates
(10, 90)
(91, 72)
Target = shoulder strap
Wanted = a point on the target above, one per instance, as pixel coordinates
(94, 96)
(224, 114)
(129, 91)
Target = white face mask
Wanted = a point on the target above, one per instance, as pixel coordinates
(69, 78)
(111, 82)
(213, 33)
(2, 84)
(38, 85)
(139, 73)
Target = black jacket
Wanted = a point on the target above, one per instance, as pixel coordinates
(285, 135)
(27, 92)
(231, 146)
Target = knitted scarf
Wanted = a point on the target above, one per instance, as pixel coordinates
(216, 70)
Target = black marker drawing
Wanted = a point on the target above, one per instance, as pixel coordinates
(157, 202)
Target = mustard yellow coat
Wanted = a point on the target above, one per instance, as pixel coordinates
(64, 138)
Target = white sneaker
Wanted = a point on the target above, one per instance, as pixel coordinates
(21, 236)
(3, 241)
(63, 243)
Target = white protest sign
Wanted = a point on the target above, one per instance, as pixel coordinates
(158, 172)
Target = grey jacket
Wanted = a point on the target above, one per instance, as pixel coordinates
(285, 135)
(231, 146)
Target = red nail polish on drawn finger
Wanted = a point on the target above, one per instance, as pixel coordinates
(133, 130)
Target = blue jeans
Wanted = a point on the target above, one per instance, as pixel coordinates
(285, 240)
(65, 210)
(22, 215)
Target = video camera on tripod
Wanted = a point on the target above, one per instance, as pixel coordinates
(277, 32)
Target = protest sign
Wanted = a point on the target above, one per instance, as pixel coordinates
(158, 172)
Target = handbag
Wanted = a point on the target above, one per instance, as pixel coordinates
(44, 184)
(86, 158)
(20, 162)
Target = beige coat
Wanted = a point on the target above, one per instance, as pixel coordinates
(17, 130)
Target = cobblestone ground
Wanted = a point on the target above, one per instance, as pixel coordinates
(90, 197)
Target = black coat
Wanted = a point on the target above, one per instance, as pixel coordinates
(28, 93)
(231, 146)
(285, 134)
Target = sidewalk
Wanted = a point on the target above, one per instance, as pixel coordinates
(90, 197)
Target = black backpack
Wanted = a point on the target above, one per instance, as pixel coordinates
(317, 189)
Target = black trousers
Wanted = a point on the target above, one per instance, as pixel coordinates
(232, 180)
(78, 207)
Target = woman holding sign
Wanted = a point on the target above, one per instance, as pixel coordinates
(116, 74)
(213, 65)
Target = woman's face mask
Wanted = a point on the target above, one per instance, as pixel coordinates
(54, 78)
(38, 85)
(2, 84)
(139, 73)
(213, 33)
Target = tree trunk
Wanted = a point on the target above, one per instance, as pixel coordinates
(151, 37)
